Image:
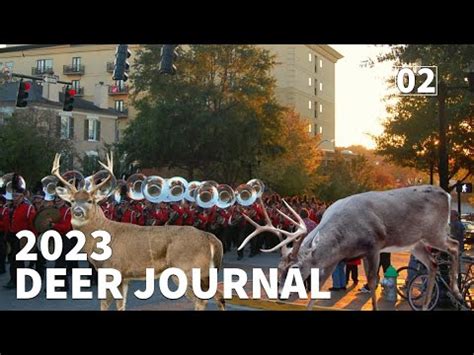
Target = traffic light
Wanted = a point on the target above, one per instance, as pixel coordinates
(69, 99)
(168, 55)
(121, 65)
(23, 89)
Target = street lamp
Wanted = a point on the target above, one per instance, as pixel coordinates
(443, 167)
(325, 140)
(443, 91)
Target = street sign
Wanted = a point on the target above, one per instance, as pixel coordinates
(51, 79)
(464, 188)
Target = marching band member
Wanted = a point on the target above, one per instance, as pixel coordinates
(21, 218)
(4, 228)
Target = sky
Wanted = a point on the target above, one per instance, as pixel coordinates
(359, 94)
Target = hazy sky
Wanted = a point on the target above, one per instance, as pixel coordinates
(359, 94)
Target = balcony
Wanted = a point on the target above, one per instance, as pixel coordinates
(73, 69)
(110, 67)
(123, 113)
(79, 91)
(118, 90)
(41, 71)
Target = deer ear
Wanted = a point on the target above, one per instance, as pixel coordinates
(63, 193)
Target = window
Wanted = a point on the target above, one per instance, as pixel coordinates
(117, 132)
(309, 128)
(320, 86)
(315, 128)
(315, 87)
(76, 63)
(310, 57)
(44, 64)
(92, 129)
(320, 107)
(310, 104)
(316, 91)
(9, 65)
(76, 84)
(315, 109)
(320, 63)
(320, 130)
(119, 106)
(309, 81)
(315, 64)
(120, 84)
(66, 127)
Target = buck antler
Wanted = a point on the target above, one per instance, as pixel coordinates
(269, 227)
(110, 168)
(55, 172)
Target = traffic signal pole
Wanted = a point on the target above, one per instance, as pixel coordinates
(38, 78)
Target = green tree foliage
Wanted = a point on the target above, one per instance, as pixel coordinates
(29, 139)
(344, 176)
(410, 132)
(217, 116)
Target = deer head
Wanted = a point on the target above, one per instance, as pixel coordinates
(289, 256)
(83, 202)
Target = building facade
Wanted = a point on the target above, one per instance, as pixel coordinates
(90, 127)
(305, 76)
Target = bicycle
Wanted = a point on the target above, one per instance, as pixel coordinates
(418, 285)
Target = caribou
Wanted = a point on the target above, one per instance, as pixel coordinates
(412, 219)
(136, 248)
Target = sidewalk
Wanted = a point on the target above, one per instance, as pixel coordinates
(349, 300)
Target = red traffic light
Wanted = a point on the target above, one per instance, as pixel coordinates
(71, 92)
(27, 85)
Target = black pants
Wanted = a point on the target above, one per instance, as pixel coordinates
(385, 262)
(14, 264)
(61, 262)
(243, 233)
(3, 252)
(354, 270)
(226, 238)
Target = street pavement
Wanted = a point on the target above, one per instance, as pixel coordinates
(351, 299)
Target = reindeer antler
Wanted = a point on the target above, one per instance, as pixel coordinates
(55, 172)
(268, 227)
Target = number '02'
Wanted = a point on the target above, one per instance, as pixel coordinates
(26, 254)
(408, 86)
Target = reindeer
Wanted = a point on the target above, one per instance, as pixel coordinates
(135, 248)
(366, 224)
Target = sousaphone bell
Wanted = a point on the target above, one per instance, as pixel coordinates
(207, 195)
(155, 189)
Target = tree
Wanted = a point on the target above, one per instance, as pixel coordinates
(29, 139)
(217, 116)
(294, 171)
(411, 129)
(344, 176)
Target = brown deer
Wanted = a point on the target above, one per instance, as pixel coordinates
(363, 225)
(135, 248)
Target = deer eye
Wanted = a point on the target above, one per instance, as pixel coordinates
(72, 201)
(90, 201)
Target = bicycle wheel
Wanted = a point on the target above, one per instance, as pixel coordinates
(468, 294)
(417, 290)
(403, 281)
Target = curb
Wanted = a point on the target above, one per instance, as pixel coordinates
(271, 305)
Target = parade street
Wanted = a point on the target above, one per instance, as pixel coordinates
(351, 299)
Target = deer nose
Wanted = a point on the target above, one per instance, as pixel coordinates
(78, 212)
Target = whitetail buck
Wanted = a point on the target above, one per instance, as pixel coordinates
(363, 225)
(135, 248)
